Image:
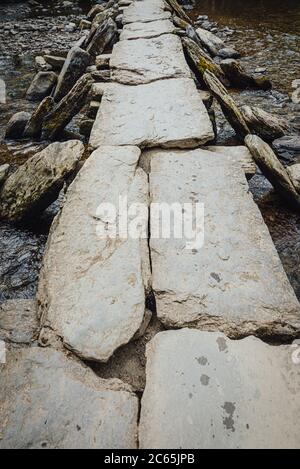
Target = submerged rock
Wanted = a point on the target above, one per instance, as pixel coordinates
(16, 125)
(37, 183)
(287, 147)
(41, 86)
(228, 53)
(240, 79)
(74, 66)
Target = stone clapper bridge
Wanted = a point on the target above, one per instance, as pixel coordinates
(209, 382)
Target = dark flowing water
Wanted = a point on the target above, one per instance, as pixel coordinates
(266, 32)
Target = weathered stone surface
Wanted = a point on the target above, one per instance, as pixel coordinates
(206, 97)
(55, 122)
(96, 303)
(74, 66)
(102, 61)
(146, 60)
(34, 125)
(235, 282)
(4, 168)
(273, 169)
(41, 86)
(16, 125)
(240, 154)
(146, 30)
(105, 34)
(18, 321)
(50, 401)
(101, 75)
(143, 12)
(36, 184)
(148, 115)
(287, 147)
(227, 103)
(294, 173)
(206, 391)
(93, 109)
(212, 42)
(240, 79)
(94, 11)
(228, 53)
(178, 10)
(56, 62)
(200, 61)
(264, 124)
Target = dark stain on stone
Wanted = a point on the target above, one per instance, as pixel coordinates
(221, 341)
(216, 277)
(190, 395)
(202, 360)
(204, 380)
(228, 421)
(247, 426)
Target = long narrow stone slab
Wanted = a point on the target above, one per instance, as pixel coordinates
(145, 11)
(146, 30)
(235, 281)
(50, 401)
(167, 113)
(147, 60)
(92, 287)
(206, 391)
(240, 154)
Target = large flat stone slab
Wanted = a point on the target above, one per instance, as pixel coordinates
(146, 60)
(50, 401)
(206, 391)
(238, 153)
(92, 287)
(146, 30)
(167, 113)
(145, 11)
(235, 282)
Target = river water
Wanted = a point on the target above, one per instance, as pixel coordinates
(266, 32)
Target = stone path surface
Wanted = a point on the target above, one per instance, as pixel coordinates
(146, 60)
(50, 401)
(97, 286)
(146, 30)
(206, 391)
(167, 113)
(234, 282)
(145, 11)
(92, 288)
